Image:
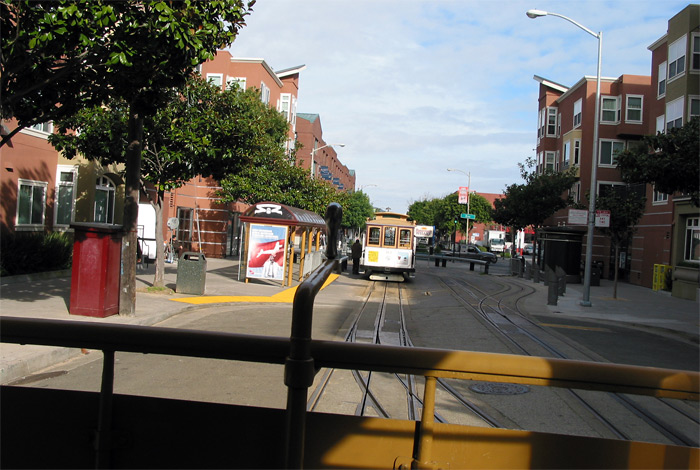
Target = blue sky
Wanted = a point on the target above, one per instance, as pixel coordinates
(413, 87)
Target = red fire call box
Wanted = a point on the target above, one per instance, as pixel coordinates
(96, 270)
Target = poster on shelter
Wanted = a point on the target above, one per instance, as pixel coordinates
(266, 248)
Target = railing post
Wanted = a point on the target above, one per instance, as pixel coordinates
(427, 424)
(103, 436)
(299, 369)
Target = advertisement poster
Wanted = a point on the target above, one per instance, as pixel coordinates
(463, 197)
(266, 249)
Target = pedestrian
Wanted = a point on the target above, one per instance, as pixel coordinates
(356, 255)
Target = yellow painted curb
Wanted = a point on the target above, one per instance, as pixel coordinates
(284, 297)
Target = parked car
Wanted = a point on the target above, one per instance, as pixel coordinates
(475, 252)
(527, 249)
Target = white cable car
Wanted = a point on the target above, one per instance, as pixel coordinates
(389, 247)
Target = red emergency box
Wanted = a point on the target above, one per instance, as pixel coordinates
(94, 290)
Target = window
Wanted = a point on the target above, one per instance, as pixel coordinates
(43, 127)
(694, 107)
(215, 78)
(660, 124)
(692, 240)
(31, 203)
(540, 124)
(549, 158)
(610, 109)
(240, 81)
(577, 113)
(577, 152)
(567, 150)
(575, 192)
(695, 47)
(633, 108)
(405, 238)
(65, 194)
(605, 189)
(373, 238)
(674, 114)
(104, 200)
(676, 58)
(184, 227)
(389, 236)
(264, 93)
(285, 105)
(661, 90)
(608, 150)
(551, 122)
(659, 198)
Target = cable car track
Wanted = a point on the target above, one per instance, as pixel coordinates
(507, 315)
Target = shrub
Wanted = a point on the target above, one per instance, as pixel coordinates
(33, 252)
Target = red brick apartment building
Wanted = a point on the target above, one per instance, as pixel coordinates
(631, 107)
(323, 156)
(43, 191)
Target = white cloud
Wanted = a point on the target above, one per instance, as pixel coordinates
(414, 87)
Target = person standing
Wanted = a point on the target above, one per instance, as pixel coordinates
(356, 255)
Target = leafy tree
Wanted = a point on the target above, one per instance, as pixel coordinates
(626, 206)
(532, 203)
(668, 161)
(201, 131)
(274, 177)
(61, 56)
(442, 213)
(423, 211)
(357, 210)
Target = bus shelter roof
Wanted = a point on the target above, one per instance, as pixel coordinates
(279, 214)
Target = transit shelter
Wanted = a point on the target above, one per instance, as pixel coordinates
(280, 243)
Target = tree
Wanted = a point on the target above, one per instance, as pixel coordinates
(274, 177)
(668, 161)
(201, 131)
(442, 213)
(357, 210)
(626, 206)
(61, 56)
(530, 204)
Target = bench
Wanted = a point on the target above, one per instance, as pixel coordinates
(444, 258)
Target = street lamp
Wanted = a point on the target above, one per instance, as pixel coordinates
(469, 185)
(586, 301)
(313, 152)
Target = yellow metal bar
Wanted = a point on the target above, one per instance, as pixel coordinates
(302, 254)
(427, 427)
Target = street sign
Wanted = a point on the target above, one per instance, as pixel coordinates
(602, 218)
(463, 197)
(468, 216)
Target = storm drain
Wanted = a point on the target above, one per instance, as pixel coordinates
(495, 388)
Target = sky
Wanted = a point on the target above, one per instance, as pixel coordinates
(414, 87)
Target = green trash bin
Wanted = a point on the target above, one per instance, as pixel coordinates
(191, 273)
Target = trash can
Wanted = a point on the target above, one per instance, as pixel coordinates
(191, 273)
(596, 272)
(94, 289)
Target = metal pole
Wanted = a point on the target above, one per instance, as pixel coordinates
(586, 301)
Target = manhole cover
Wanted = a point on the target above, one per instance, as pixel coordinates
(492, 388)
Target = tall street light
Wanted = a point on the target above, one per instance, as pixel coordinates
(469, 185)
(313, 152)
(586, 301)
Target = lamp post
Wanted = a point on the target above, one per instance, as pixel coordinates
(313, 152)
(469, 185)
(586, 301)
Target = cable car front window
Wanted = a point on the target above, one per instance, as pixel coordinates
(389, 236)
(404, 238)
(373, 236)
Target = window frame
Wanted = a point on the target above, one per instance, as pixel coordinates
(405, 242)
(661, 82)
(73, 169)
(374, 240)
(616, 110)
(576, 159)
(111, 190)
(640, 110)
(551, 122)
(566, 153)
(33, 184)
(658, 198)
(240, 81)
(692, 232)
(674, 115)
(677, 52)
(613, 142)
(386, 241)
(693, 99)
(215, 79)
(264, 93)
(695, 52)
(578, 116)
(549, 160)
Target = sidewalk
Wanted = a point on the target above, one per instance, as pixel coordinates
(23, 296)
(50, 298)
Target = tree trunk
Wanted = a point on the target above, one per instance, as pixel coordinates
(157, 205)
(127, 293)
(617, 262)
